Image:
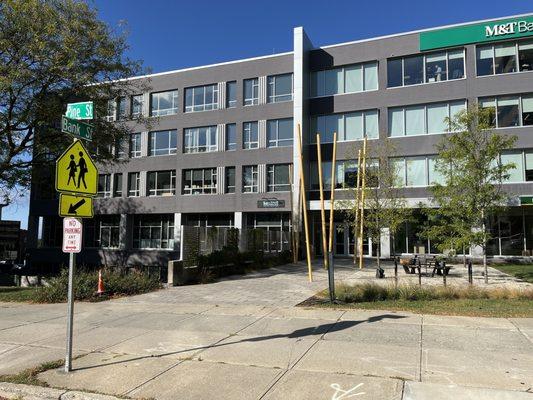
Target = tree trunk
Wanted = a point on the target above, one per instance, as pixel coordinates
(485, 250)
(395, 261)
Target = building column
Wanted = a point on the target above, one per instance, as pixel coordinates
(262, 81)
(238, 223)
(261, 133)
(32, 238)
(384, 243)
(177, 232)
(123, 239)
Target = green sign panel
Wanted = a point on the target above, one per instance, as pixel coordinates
(526, 200)
(477, 33)
(77, 128)
(82, 110)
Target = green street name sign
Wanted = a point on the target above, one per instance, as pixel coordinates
(77, 128)
(82, 110)
(526, 200)
(477, 33)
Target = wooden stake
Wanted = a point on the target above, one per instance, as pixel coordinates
(304, 203)
(322, 211)
(363, 187)
(357, 205)
(332, 197)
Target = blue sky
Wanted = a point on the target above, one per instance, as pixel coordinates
(175, 34)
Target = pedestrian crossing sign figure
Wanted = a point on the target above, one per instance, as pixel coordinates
(75, 171)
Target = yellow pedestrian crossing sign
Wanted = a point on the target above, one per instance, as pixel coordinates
(75, 206)
(75, 171)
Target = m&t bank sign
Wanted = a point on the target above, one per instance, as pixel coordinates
(477, 33)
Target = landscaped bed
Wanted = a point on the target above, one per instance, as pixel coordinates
(451, 300)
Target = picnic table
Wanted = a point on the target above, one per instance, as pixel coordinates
(429, 263)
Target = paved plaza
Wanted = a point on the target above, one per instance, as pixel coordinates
(243, 338)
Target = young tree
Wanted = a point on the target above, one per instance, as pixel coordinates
(385, 205)
(470, 188)
(51, 53)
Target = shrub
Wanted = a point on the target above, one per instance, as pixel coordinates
(86, 283)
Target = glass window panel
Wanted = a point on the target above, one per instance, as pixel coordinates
(436, 67)
(414, 120)
(529, 166)
(525, 55)
(416, 171)
(371, 76)
(485, 60)
(231, 137)
(396, 126)
(398, 165)
(394, 73)
(334, 123)
(437, 114)
(354, 126)
(231, 94)
(527, 110)
(515, 174)
(456, 64)
(371, 124)
(354, 78)
(413, 72)
(434, 175)
(507, 110)
(456, 107)
(334, 81)
(505, 58)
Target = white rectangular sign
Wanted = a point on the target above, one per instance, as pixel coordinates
(72, 230)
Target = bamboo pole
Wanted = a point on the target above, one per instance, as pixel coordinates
(293, 232)
(304, 204)
(332, 197)
(322, 210)
(357, 205)
(363, 187)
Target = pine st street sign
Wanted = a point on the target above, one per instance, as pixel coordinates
(76, 128)
(83, 110)
(75, 206)
(72, 231)
(76, 172)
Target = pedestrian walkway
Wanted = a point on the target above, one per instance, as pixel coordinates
(242, 338)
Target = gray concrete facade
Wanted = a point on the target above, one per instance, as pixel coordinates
(301, 62)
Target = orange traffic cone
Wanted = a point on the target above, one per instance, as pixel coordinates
(100, 283)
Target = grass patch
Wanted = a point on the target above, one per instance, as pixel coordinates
(17, 294)
(29, 376)
(468, 301)
(520, 271)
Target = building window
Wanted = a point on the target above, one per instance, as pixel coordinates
(504, 58)
(163, 143)
(104, 185)
(231, 137)
(251, 92)
(111, 110)
(279, 132)
(200, 140)
(250, 135)
(135, 145)
(102, 231)
(201, 98)
(117, 185)
(508, 111)
(428, 68)
(231, 94)
(161, 183)
(164, 103)
(348, 79)
(250, 179)
(278, 179)
(121, 147)
(134, 184)
(345, 175)
(121, 108)
(422, 119)
(136, 105)
(230, 180)
(349, 126)
(279, 88)
(154, 231)
(525, 55)
(529, 166)
(200, 181)
(417, 171)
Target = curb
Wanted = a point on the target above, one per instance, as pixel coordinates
(28, 392)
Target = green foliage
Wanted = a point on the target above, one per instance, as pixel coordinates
(16, 294)
(520, 271)
(30, 376)
(191, 247)
(86, 283)
(51, 53)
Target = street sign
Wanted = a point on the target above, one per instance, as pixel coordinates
(77, 128)
(75, 171)
(83, 110)
(72, 230)
(75, 206)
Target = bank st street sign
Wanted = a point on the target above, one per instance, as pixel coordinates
(77, 128)
(82, 110)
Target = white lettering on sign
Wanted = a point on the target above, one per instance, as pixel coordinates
(508, 28)
(72, 232)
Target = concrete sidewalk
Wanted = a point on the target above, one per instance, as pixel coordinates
(222, 346)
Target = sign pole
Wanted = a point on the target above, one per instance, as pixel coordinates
(70, 312)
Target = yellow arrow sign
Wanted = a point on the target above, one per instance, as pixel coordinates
(75, 171)
(75, 206)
